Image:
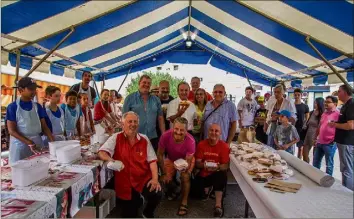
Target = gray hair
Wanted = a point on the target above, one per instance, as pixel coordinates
(129, 113)
(281, 87)
(181, 120)
(219, 85)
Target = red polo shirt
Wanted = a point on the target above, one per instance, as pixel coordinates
(136, 159)
(218, 153)
(191, 96)
(100, 111)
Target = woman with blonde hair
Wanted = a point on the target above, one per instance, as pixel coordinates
(200, 101)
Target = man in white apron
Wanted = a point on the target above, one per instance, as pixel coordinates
(84, 87)
(25, 121)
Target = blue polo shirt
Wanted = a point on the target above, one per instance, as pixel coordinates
(27, 106)
(147, 117)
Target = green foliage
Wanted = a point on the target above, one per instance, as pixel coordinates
(133, 86)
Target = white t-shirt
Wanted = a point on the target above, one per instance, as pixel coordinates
(189, 114)
(248, 108)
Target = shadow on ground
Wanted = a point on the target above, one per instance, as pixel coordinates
(234, 205)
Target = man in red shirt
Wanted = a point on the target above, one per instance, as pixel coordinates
(212, 158)
(133, 160)
(195, 84)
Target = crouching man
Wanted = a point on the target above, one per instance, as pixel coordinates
(132, 157)
(212, 158)
(176, 144)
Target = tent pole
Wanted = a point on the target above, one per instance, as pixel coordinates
(50, 52)
(189, 17)
(349, 55)
(18, 56)
(244, 71)
(125, 78)
(328, 63)
(95, 85)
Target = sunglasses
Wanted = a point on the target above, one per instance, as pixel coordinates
(218, 92)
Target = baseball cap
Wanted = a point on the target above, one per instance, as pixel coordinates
(267, 94)
(285, 113)
(260, 99)
(27, 82)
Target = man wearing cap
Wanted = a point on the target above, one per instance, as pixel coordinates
(26, 121)
(84, 87)
(286, 136)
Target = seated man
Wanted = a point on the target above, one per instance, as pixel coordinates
(176, 143)
(213, 151)
(132, 157)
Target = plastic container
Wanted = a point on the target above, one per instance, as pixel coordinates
(68, 154)
(53, 146)
(27, 172)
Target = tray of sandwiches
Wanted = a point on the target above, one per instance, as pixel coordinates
(262, 162)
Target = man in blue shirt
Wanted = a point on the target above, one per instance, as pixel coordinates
(25, 120)
(148, 107)
(223, 112)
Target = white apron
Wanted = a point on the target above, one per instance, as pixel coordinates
(28, 125)
(70, 121)
(86, 125)
(57, 126)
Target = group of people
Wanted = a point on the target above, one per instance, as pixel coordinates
(197, 127)
(32, 126)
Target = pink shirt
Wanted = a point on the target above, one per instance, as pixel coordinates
(327, 133)
(175, 150)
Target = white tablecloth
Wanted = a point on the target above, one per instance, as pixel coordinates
(311, 201)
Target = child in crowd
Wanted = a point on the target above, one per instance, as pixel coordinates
(103, 114)
(286, 136)
(25, 120)
(87, 126)
(115, 98)
(72, 113)
(55, 115)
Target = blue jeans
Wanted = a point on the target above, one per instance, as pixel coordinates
(346, 153)
(327, 150)
(270, 141)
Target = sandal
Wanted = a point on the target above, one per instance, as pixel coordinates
(182, 210)
(218, 212)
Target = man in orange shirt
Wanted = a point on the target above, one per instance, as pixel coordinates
(133, 159)
(195, 84)
(212, 158)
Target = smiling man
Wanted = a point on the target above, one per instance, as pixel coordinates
(132, 157)
(223, 112)
(215, 152)
(84, 87)
(181, 106)
(148, 107)
(176, 143)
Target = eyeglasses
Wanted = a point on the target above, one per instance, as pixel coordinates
(218, 92)
(328, 102)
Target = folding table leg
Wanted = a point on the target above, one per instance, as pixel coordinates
(246, 209)
(97, 204)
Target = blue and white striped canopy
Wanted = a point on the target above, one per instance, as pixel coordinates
(264, 39)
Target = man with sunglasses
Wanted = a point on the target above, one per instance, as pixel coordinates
(325, 136)
(220, 111)
(84, 87)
